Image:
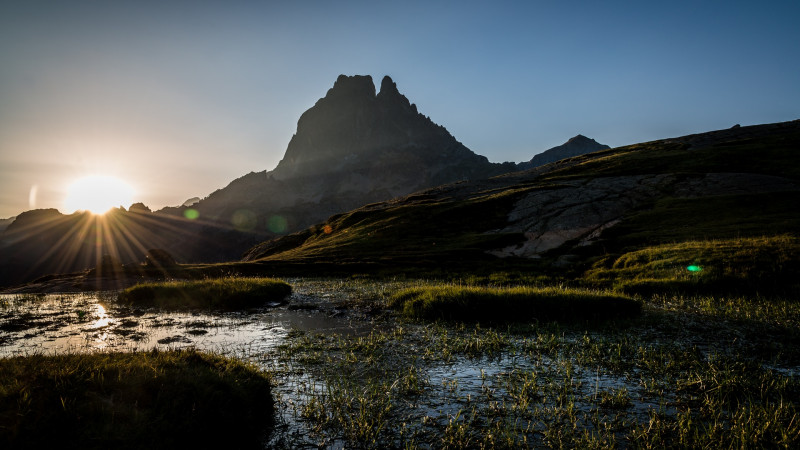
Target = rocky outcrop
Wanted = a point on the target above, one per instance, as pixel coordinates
(581, 210)
(579, 145)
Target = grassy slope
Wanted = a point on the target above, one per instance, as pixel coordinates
(422, 228)
(766, 149)
(767, 265)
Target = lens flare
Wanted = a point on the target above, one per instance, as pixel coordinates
(244, 220)
(32, 196)
(277, 224)
(694, 268)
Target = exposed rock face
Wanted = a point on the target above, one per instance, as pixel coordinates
(579, 145)
(581, 210)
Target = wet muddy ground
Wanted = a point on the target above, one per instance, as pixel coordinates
(347, 373)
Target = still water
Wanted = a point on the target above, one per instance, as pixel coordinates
(89, 322)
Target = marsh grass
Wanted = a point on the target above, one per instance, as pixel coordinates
(553, 386)
(689, 371)
(766, 265)
(174, 399)
(475, 303)
(217, 293)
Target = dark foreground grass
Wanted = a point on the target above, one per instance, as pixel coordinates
(473, 303)
(175, 399)
(220, 293)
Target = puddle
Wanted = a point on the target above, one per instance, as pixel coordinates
(57, 323)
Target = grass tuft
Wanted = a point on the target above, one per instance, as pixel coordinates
(175, 399)
(219, 293)
(517, 304)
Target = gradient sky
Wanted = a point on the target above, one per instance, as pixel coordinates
(179, 98)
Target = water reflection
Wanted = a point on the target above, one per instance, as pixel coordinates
(94, 322)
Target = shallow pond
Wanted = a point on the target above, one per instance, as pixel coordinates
(95, 322)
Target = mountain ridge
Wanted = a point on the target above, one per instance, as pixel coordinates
(575, 146)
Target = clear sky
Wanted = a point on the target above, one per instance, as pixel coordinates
(179, 98)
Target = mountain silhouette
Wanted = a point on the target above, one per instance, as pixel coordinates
(351, 148)
(579, 145)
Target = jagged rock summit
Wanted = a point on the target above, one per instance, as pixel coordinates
(578, 145)
(352, 127)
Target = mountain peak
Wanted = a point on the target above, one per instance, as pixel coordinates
(355, 86)
(388, 86)
(582, 140)
(578, 145)
(355, 128)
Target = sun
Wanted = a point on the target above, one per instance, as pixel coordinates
(97, 194)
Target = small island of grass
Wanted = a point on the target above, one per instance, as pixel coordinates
(218, 293)
(517, 304)
(174, 399)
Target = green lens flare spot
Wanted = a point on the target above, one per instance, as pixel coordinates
(244, 220)
(277, 224)
(694, 268)
(191, 214)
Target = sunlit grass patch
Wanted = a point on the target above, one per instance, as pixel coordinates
(176, 399)
(764, 265)
(473, 303)
(219, 293)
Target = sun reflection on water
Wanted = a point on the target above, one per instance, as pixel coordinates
(103, 320)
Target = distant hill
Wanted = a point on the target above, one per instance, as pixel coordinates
(44, 241)
(725, 184)
(4, 223)
(579, 145)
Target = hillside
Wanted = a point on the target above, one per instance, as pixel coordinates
(724, 184)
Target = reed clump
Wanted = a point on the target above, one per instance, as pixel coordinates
(216, 293)
(511, 304)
